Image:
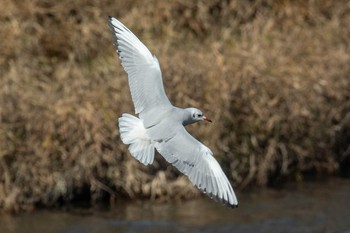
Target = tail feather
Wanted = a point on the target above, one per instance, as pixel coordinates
(133, 133)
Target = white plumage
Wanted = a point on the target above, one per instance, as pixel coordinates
(161, 125)
(134, 134)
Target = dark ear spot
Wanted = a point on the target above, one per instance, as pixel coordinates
(193, 115)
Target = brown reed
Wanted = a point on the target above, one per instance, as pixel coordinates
(273, 75)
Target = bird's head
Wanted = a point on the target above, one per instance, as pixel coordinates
(195, 115)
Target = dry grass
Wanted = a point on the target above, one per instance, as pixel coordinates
(273, 75)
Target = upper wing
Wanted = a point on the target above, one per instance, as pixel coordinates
(145, 77)
(197, 162)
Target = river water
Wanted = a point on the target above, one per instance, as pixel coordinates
(308, 207)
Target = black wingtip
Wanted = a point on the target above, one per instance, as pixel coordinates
(110, 17)
(232, 206)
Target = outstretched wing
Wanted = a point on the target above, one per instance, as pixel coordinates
(196, 161)
(144, 74)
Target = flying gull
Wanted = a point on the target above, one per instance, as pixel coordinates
(160, 125)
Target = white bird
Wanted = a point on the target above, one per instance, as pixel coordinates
(160, 125)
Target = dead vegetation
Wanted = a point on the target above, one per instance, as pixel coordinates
(273, 75)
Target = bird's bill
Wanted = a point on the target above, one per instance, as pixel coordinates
(207, 119)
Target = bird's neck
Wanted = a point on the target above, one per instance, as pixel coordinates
(187, 117)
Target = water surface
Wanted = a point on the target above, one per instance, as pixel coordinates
(309, 207)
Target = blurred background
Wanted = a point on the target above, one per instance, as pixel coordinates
(273, 75)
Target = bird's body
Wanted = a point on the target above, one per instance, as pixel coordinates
(160, 125)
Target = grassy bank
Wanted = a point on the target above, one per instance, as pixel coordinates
(273, 75)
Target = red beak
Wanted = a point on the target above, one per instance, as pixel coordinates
(206, 119)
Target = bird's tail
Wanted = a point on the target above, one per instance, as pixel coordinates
(133, 133)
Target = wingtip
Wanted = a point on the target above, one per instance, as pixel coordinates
(230, 205)
(218, 199)
(110, 18)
